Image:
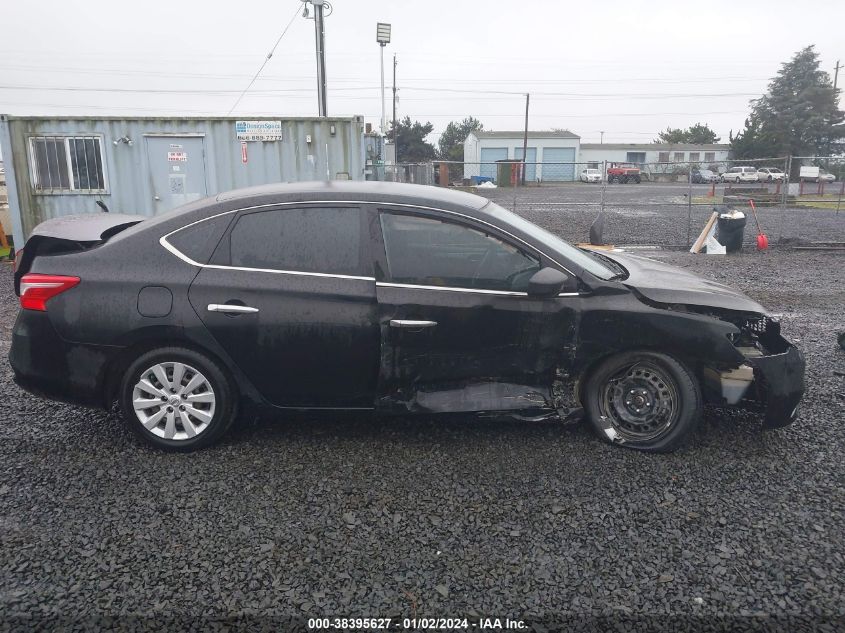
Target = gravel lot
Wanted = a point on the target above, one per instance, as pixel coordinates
(353, 516)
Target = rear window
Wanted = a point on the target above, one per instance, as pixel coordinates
(312, 239)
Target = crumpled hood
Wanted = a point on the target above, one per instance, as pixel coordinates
(669, 284)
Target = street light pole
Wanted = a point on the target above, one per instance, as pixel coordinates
(395, 148)
(383, 39)
(383, 117)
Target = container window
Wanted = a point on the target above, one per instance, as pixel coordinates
(67, 164)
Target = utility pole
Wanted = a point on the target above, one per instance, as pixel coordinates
(601, 142)
(525, 137)
(395, 147)
(320, 37)
(836, 76)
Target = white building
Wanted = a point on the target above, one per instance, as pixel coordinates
(655, 154)
(556, 150)
(560, 156)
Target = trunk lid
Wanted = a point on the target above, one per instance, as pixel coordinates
(69, 234)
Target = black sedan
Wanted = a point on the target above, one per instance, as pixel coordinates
(385, 297)
(700, 176)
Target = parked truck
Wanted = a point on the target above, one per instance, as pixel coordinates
(623, 172)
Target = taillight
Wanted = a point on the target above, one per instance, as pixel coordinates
(37, 289)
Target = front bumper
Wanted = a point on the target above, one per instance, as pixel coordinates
(779, 385)
(48, 366)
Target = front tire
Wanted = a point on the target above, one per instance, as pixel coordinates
(643, 400)
(177, 399)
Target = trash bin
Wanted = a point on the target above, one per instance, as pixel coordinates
(730, 229)
(508, 172)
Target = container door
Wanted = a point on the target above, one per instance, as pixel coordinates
(177, 170)
(553, 169)
(489, 156)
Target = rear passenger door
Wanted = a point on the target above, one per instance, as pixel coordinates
(290, 295)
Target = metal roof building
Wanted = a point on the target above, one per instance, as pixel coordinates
(557, 150)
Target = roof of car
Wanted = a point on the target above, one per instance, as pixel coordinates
(368, 191)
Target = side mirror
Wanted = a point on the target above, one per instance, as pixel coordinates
(550, 282)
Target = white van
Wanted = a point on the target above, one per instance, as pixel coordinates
(740, 174)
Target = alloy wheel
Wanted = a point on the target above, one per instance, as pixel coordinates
(174, 401)
(641, 402)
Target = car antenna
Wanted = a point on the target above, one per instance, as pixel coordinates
(103, 206)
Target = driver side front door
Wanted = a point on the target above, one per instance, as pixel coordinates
(458, 329)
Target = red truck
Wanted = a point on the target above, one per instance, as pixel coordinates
(623, 172)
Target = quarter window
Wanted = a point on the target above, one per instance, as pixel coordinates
(313, 239)
(430, 252)
(68, 163)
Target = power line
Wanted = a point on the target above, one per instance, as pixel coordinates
(598, 96)
(439, 80)
(266, 60)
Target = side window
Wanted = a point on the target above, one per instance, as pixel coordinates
(431, 252)
(198, 241)
(312, 239)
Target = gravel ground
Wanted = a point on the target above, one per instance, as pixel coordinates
(354, 516)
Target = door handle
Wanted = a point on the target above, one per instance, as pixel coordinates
(411, 324)
(230, 308)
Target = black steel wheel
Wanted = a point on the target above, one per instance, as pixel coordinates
(644, 400)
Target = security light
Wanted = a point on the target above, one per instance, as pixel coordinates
(382, 33)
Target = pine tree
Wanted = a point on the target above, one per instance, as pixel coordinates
(451, 143)
(797, 116)
(410, 141)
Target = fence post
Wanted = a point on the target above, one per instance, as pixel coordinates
(839, 201)
(603, 186)
(689, 203)
(787, 171)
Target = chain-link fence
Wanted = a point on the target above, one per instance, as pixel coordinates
(797, 199)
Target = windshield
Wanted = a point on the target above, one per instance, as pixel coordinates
(586, 261)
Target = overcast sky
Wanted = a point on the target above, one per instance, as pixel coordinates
(627, 68)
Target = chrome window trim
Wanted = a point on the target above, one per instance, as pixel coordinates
(173, 250)
(505, 293)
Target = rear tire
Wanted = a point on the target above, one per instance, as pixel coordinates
(177, 399)
(643, 400)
